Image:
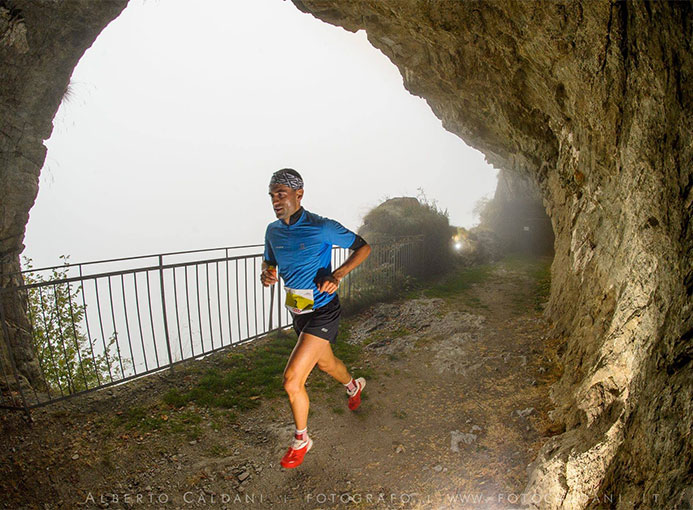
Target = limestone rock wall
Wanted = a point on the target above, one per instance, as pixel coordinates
(41, 42)
(591, 100)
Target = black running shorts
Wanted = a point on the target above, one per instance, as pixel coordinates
(321, 322)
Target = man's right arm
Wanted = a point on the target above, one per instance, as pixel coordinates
(268, 276)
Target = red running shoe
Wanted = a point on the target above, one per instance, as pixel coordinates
(294, 456)
(355, 399)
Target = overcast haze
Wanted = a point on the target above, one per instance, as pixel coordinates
(180, 112)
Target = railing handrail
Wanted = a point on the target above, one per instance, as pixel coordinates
(151, 268)
(135, 257)
(96, 276)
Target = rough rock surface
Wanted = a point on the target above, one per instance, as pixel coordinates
(399, 327)
(592, 100)
(40, 44)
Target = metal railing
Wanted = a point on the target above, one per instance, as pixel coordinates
(92, 325)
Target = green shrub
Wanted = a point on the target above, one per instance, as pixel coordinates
(411, 217)
(66, 356)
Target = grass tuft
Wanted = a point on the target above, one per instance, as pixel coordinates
(242, 378)
(246, 377)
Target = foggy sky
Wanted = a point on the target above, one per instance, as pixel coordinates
(180, 112)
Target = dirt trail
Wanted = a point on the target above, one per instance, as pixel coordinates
(454, 410)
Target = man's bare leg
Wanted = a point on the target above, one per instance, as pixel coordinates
(332, 365)
(308, 350)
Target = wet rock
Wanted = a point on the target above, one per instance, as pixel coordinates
(523, 413)
(456, 437)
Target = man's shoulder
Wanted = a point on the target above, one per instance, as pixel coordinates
(273, 226)
(314, 219)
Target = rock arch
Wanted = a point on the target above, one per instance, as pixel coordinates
(591, 101)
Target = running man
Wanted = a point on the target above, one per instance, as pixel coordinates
(300, 244)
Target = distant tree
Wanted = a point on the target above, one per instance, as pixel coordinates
(488, 211)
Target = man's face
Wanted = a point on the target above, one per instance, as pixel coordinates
(285, 200)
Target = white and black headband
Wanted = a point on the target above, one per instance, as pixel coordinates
(287, 178)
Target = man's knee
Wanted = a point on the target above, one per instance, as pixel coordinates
(292, 383)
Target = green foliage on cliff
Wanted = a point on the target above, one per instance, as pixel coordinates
(408, 216)
(68, 360)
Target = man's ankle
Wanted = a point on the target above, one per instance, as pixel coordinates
(351, 386)
(301, 434)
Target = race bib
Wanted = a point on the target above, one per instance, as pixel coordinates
(299, 301)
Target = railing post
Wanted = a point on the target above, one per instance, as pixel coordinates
(279, 303)
(271, 309)
(163, 309)
(349, 289)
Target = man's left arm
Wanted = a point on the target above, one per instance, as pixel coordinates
(353, 261)
(361, 250)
